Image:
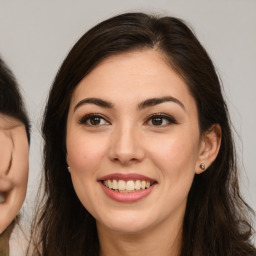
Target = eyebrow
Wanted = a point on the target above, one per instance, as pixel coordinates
(95, 101)
(156, 101)
(147, 103)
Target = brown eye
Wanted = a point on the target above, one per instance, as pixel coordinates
(93, 120)
(161, 120)
(157, 121)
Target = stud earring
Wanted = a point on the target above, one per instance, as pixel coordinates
(202, 166)
(68, 168)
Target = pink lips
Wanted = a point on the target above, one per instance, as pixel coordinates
(126, 197)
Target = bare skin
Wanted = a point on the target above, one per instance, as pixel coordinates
(144, 243)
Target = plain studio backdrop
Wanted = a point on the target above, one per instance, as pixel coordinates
(36, 35)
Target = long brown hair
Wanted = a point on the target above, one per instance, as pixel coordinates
(215, 221)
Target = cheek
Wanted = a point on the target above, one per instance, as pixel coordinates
(175, 161)
(19, 170)
(85, 153)
(22, 167)
(176, 157)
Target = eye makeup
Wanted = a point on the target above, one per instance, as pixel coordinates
(93, 119)
(160, 119)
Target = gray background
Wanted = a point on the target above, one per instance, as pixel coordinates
(35, 37)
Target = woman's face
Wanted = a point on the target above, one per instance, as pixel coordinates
(13, 168)
(133, 142)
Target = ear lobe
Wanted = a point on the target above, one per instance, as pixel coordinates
(209, 148)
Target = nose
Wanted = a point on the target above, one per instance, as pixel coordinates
(126, 146)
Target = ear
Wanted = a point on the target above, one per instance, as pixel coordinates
(209, 148)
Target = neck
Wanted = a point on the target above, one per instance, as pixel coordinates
(164, 240)
(4, 241)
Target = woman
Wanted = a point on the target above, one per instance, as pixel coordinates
(139, 157)
(14, 140)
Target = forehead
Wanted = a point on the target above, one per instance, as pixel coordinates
(138, 75)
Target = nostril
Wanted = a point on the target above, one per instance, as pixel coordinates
(125, 160)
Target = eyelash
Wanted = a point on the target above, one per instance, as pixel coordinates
(169, 119)
(89, 117)
(160, 116)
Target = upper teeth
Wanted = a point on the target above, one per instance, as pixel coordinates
(127, 186)
(2, 197)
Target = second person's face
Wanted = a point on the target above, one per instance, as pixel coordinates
(133, 142)
(13, 168)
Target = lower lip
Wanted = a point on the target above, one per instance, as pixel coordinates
(126, 197)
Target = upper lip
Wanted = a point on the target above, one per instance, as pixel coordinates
(126, 177)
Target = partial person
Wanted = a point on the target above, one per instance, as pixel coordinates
(139, 157)
(14, 153)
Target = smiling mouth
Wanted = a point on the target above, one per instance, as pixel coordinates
(129, 186)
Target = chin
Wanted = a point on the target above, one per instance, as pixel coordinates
(126, 223)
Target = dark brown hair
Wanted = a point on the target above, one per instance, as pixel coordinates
(215, 220)
(11, 103)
